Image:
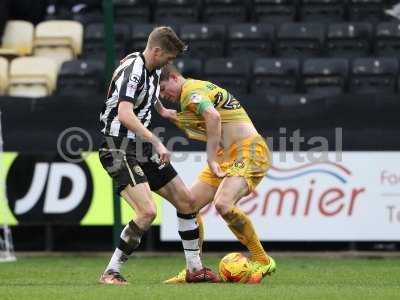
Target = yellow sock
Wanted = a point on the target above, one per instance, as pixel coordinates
(200, 222)
(243, 228)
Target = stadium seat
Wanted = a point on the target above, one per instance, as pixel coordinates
(325, 11)
(230, 74)
(139, 35)
(132, 11)
(301, 106)
(387, 39)
(59, 40)
(300, 40)
(374, 75)
(82, 11)
(94, 46)
(32, 77)
(348, 40)
(169, 12)
(93, 15)
(225, 11)
(371, 11)
(274, 76)
(3, 75)
(18, 37)
(324, 76)
(250, 40)
(274, 11)
(261, 105)
(77, 77)
(205, 40)
(189, 67)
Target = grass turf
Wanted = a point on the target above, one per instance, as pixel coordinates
(59, 278)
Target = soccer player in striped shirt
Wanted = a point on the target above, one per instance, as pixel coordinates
(138, 161)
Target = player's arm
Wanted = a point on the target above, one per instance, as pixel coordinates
(167, 113)
(212, 119)
(131, 121)
(128, 94)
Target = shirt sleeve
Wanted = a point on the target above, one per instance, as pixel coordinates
(197, 102)
(156, 96)
(131, 83)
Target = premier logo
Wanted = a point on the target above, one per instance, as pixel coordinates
(324, 188)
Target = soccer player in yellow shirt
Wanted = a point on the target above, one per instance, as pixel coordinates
(237, 156)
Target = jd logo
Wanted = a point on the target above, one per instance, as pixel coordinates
(47, 189)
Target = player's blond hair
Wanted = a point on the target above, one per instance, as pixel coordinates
(166, 38)
(167, 71)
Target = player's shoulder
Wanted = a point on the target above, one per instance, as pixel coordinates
(132, 58)
(191, 88)
(135, 66)
(196, 84)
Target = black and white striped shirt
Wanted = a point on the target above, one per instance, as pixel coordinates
(131, 82)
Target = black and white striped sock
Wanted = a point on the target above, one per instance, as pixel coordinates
(189, 232)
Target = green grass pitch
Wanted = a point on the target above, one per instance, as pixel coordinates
(59, 278)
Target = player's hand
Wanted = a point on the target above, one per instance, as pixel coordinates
(163, 152)
(169, 114)
(216, 169)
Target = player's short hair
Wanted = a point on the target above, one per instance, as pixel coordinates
(166, 38)
(167, 71)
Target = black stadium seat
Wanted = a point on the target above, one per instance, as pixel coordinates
(189, 67)
(225, 11)
(78, 77)
(205, 40)
(250, 40)
(132, 11)
(301, 106)
(366, 10)
(274, 76)
(325, 76)
(231, 74)
(299, 39)
(94, 15)
(374, 75)
(349, 40)
(94, 46)
(139, 35)
(387, 39)
(176, 11)
(274, 11)
(326, 11)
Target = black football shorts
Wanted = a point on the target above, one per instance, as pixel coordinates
(132, 162)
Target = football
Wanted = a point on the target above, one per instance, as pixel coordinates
(234, 267)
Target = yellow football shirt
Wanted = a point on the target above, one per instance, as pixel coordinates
(196, 96)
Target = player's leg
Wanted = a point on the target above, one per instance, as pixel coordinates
(231, 190)
(132, 185)
(203, 194)
(176, 192)
(179, 196)
(139, 198)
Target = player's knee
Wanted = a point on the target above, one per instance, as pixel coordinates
(185, 203)
(151, 214)
(148, 215)
(189, 206)
(223, 206)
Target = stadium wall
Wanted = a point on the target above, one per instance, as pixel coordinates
(32, 127)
